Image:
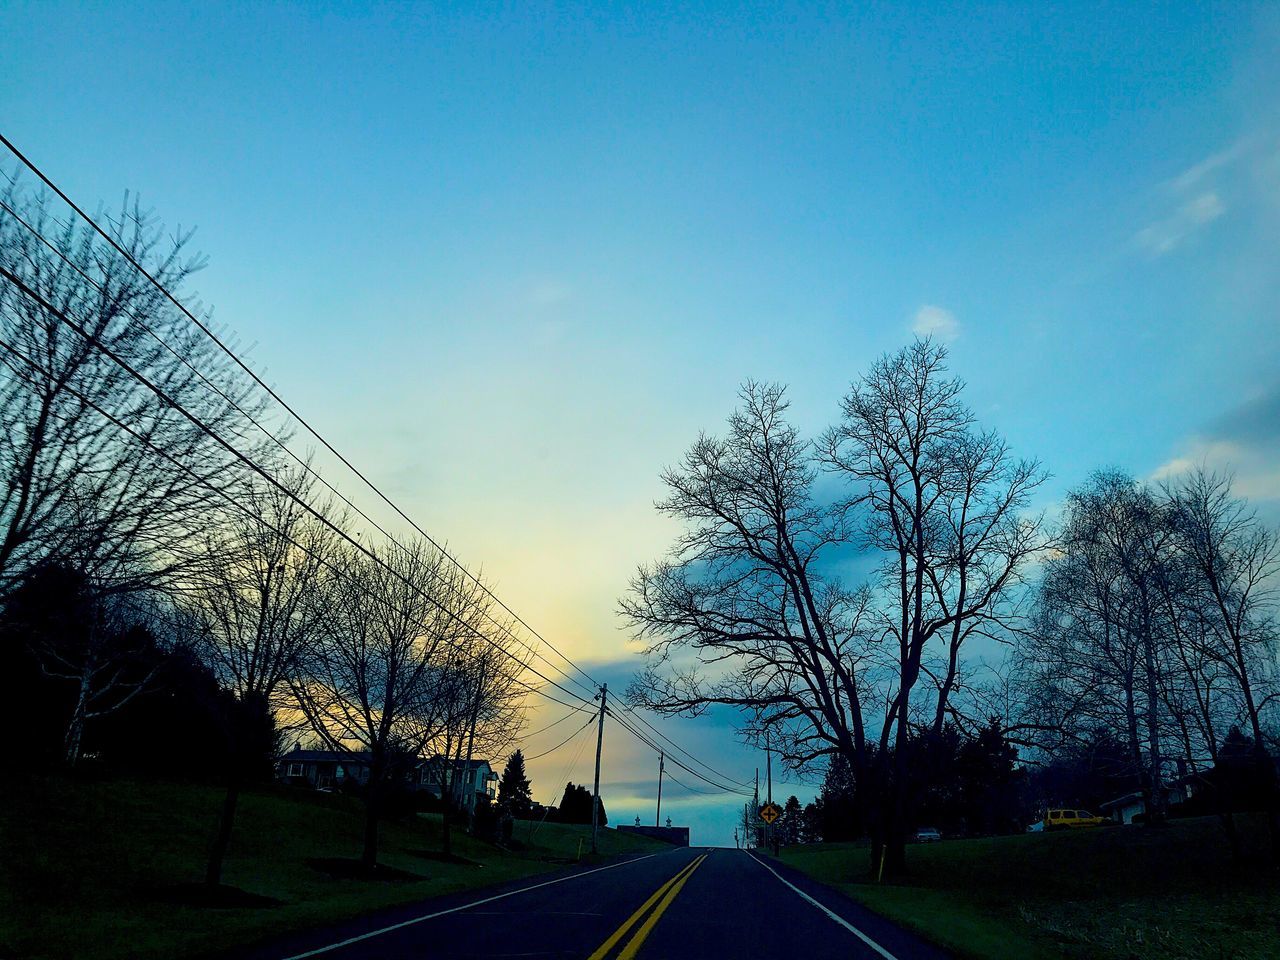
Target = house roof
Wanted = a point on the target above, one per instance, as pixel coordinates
(1120, 801)
(327, 756)
(462, 764)
(298, 755)
(1169, 786)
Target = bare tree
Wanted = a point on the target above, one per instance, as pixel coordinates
(740, 613)
(1104, 634)
(97, 473)
(380, 681)
(94, 467)
(107, 646)
(1235, 561)
(259, 598)
(750, 611)
(946, 506)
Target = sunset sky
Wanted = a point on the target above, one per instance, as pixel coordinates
(512, 260)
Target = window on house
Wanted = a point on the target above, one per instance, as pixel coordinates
(295, 769)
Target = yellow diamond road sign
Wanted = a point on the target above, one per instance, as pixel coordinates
(770, 812)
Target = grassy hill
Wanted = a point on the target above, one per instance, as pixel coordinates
(87, 865)
(1116, 892)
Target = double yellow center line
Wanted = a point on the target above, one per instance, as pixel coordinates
(663, 897)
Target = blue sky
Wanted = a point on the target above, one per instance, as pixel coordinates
(512, 259)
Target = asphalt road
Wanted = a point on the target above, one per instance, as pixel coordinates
(690, 903)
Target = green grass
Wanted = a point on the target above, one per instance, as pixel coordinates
(82, 859)
(1120, 893)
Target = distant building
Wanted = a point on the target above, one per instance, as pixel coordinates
(332, 769)
(1126, 808)
(467, 781)
(676, 836)
(323, 769)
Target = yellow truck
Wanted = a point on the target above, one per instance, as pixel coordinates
(1071, 819)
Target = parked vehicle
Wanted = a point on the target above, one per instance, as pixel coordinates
(928, 835)
(1071, 819)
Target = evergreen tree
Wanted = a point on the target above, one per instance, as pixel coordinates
(789, 825)
(514, 794)
(840, 820)
(575, 806)
(811, 823)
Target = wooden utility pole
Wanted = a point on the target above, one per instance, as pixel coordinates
(595, 798)
(662, 759)
(768, 753)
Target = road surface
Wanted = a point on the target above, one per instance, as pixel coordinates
(685, 903)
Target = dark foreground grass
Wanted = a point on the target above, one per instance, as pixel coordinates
(1113, 893)
(89, 869)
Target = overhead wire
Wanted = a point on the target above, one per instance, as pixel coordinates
(16, 281)
(270, 434)
(673, 759)
(91, 404)
(204, 328)
(30, 165)
(554, 723)
(637, 716)
(538, 756)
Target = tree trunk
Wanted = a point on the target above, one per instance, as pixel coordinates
(222, 838)
(469, 807)
(1156, 804)
(1135, 744)
(75, 728)
(1267, 776)
(369, 855)
(372, 808)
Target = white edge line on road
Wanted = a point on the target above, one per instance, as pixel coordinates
(465, 906)
(830, 913)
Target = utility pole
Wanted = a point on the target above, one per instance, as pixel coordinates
(662, 761)
(755, 810)
(768, 753)
(595, 799)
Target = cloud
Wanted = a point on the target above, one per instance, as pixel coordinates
(936, 322)
(1256, 421)
(1197, 173)
(1168, 233)
(1244, 442)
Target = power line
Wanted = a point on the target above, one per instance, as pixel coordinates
(280, 400)
(10, 349)
(553, 723)
(328, 446)
(676, 760)
(263, 428)
(678, 783)
(637, 716)
(590, 720)
(195, 421)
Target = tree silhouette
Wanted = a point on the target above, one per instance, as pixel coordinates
(514, 794)
(575, 806)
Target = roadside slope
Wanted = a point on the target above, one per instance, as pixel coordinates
(1121, 893)
(87, 863)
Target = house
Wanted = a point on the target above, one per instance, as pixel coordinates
(467, 780)
(1124, 809)
(323, 769)
(331, 769)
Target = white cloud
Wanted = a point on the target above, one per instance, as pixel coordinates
(1165, 235)
(936, 322)
(1193, 175)
(1256, 471)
